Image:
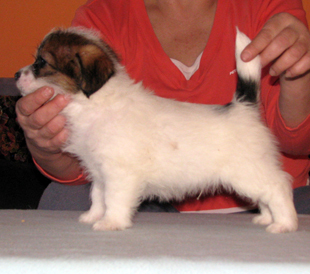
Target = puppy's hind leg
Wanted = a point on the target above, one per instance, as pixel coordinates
(275, 197)
(270, 188)
(97, 208)
(280, 203)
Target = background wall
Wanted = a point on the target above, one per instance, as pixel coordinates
(23, 24)
(307, 8)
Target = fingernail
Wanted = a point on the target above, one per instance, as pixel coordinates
(67, 97)
(47, 92)
(288, 74)
(246, 56)
(272, 72)
(64, 99)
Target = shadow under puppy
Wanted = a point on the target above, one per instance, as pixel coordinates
(135, 145)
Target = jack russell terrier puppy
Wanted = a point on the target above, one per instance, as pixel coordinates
(135, 145)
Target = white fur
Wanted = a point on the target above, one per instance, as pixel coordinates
(135, 145)
(246, 70)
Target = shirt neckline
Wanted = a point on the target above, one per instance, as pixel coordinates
(187, 71)
(208, 55)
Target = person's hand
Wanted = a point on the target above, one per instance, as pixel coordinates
(41, 121)
(45, 132)
(285, 41)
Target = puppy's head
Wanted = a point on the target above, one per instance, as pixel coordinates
(73, 60)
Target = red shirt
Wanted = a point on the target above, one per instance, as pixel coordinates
(125, 26)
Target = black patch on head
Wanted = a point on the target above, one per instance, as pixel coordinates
(89, 62)
(96, 69)
(38, 65)
(247, 90)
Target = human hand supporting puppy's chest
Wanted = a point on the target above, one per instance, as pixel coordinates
(45, 131)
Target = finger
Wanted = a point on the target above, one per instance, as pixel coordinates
(270, 30)
(30, 103)
(259, 43)
(53, 128)
(62, 137)
(47, 132)
(284, 46)
(300, 68)
(52, 145)
(55, 144)
(47, 112)
(291, 56)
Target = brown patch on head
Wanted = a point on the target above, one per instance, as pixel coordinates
(75, 60)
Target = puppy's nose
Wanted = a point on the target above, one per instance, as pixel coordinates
(17, 75)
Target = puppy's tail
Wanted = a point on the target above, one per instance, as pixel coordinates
(249, 73)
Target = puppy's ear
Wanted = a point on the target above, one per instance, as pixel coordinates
(96, 67)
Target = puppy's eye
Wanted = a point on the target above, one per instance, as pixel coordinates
(39, 64)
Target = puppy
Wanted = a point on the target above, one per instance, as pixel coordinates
(135, 145)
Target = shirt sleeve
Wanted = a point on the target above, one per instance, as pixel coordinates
(293, 141)
(79, 180)
(106, 17)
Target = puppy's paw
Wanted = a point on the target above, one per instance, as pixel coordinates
(281, 228)
(90, 217)
(111, 225)
(265, 219)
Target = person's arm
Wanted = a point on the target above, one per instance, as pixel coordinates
(285, 41)
(45, 133)
(284, 45)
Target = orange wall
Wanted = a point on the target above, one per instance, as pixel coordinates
(25, 23)
(307, 8)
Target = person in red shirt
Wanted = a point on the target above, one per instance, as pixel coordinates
(185, 50)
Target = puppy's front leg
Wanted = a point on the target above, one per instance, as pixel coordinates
(121, 200)
(97, 208)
